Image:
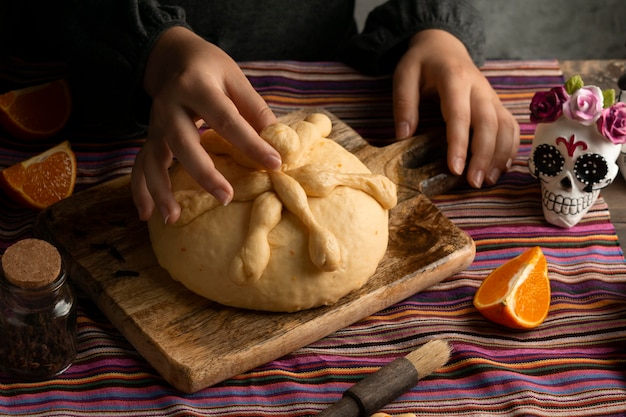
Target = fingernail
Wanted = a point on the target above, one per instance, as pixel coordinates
(494, 174)
(458, 165)
(402, 130)
(478, 178)
(509, 164)
(143, 213)
(222, 196)
(273, 162)
(164, 213)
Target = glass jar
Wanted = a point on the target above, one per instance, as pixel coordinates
(37, 312)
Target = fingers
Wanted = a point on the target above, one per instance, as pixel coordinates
(150, 168)
(482, 135)
(494, 134)
(150, 179)
(456, 111)
(141, 196)
(507, 143)
(206, 84)
(250, 104)
(237, 119)
(473, 112)
(228, 103)
(495, 138)
(478, 126)
(406, 96)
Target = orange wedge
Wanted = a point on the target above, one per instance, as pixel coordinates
(42, 180)
(517, 293)
(36, 112)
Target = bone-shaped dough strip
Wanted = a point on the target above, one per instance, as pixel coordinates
(322, 122)
(193, 203)
(250, 186)
(316, 127)
(290, 142)
(319, 183)
(323, 246)
(284, 139)
(308, 134)
(248, 266)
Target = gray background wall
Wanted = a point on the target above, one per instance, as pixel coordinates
(562, 29)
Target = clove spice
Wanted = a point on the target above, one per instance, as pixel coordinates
(37, 312)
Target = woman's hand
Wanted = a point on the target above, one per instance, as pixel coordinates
(438, 63)
(190, 79)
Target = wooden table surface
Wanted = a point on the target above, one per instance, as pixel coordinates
(604, 74)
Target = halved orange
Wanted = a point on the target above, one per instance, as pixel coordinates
(42, 180)
(517, 293)
(36, 112)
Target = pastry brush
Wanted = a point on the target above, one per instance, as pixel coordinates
(389, 382)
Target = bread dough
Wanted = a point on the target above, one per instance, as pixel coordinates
(297, 238)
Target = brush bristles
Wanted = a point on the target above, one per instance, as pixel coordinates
(430, 357)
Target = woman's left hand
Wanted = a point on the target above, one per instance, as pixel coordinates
(438, 63)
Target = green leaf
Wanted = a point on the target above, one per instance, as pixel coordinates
(573, 84)
(609, 97)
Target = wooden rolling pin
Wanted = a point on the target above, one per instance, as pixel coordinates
(389, 382)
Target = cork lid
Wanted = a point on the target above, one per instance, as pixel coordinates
(31, 263)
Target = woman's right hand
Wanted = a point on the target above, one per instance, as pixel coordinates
(190, 79)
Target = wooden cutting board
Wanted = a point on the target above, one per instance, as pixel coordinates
(195, 343)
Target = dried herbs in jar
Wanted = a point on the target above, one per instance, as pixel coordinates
(37, 312)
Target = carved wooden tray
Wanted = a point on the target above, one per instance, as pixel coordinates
(195, 343)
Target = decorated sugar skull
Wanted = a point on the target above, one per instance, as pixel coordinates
(577, 143)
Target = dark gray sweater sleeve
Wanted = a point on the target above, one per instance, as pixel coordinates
(109, 41)
(107, 46)
(389, 27)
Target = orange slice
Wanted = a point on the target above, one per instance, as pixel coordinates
(36, 112)
(517, 293)
(43, 179)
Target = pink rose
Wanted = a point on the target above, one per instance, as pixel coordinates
(585, 105)
(547, 106)
(612, 123)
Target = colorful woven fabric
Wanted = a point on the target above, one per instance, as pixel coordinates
(572, 365)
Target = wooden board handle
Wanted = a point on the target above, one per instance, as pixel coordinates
(417, 164)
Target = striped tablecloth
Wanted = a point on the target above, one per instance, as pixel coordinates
(572, 365)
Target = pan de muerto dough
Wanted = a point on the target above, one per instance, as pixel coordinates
(292, 239)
